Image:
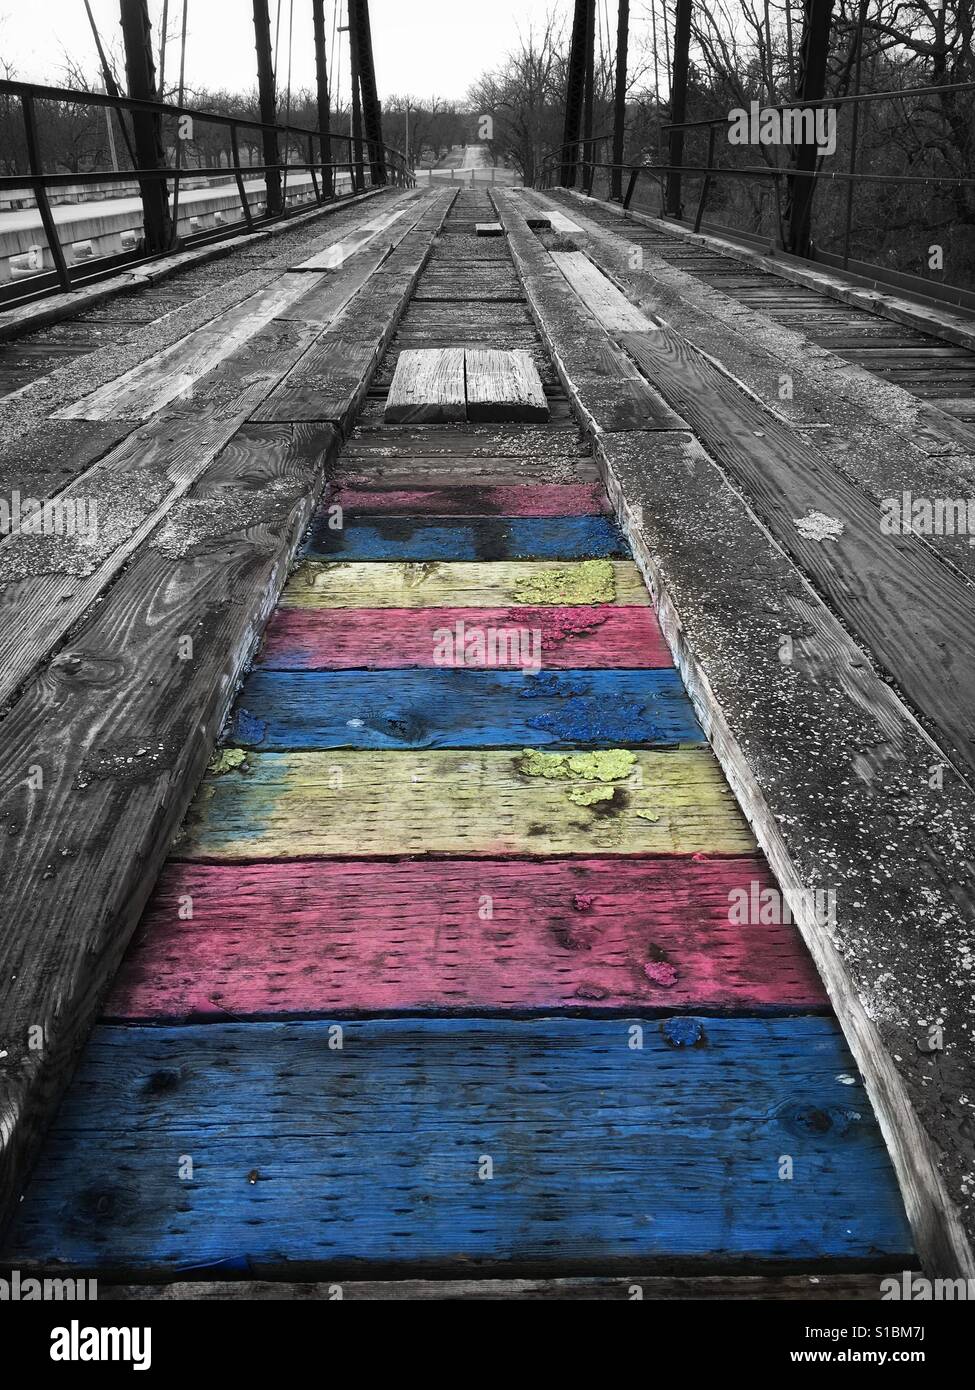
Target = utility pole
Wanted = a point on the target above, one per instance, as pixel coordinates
(619, 105)
(811, 86)
(371, 112)
(678, 103)
(575, 93)
(268, 106)
(140, 76)
(324, 109)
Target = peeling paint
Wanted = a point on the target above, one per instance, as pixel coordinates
(226, 760)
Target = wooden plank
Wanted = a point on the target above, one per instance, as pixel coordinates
(318, 639)
(472, 803)
(463, 499)
(609, 305)
(326, 386)
(537, 442)
(914, 613)
(488, 229)
(335, 256)
(429, 584)
(480, 708)
(480, 538)
(121, 724)
(318, 937)
(503, 386)
(602, 1155)
(427, 387)
(49, 581)
(145, 389)
(803, 1288)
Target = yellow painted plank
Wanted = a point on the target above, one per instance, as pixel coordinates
(497, 584)
(299, 805)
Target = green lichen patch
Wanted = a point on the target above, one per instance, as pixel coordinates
(588, 796)
(590, 581)
(648, 815)
(226, 760)
(605, 765)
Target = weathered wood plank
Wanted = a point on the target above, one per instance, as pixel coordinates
(49, 581)
(143, 390)
(314, 937)
(383, 1141)
(427, 387)
(464, 499)
(318, 639)
(792, 1287)
(481, 538)
(609, 305)
(429, 584)
(120, 725)
(485, 708)
(472, 803)
(335, 256)
(915, 614)
(503, 386)
(488, 229)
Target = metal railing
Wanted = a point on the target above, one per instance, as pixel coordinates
(711, 171)
(366, 166)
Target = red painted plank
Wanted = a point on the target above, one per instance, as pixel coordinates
(384, 638)
(325, 937)
(544, 499)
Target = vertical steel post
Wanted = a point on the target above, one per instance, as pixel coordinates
(268, 104)
(813, 55)
(574, 94)
(619, 105)
(324, 101)
(40, 192)
(140, 75)
(673, 205)
(371, 112)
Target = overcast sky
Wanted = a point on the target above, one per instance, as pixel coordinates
(422, 47)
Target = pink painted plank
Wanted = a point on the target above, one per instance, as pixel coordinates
(322, 937)
(545, 499)
(384, 638)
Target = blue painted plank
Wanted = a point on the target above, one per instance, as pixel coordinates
(601, 1152)
(278, 711)
(467, 538)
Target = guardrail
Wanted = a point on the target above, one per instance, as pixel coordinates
(667, 175)
(364, 166)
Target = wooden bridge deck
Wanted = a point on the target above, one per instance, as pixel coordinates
(471, 958)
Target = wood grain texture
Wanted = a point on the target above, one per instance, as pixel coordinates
(335, 256)
(598, 377)
(147, 388)
(699, 1288)
(603, 1155)
(398, 937)
(428, 584)
(49, 581)
(914, 613)
(277, 711)
(121, 724)
(311, 805)
(299, 639)
(466, 499)
(482, 538)
(600, 296)
(427, 387)
(503, 386)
